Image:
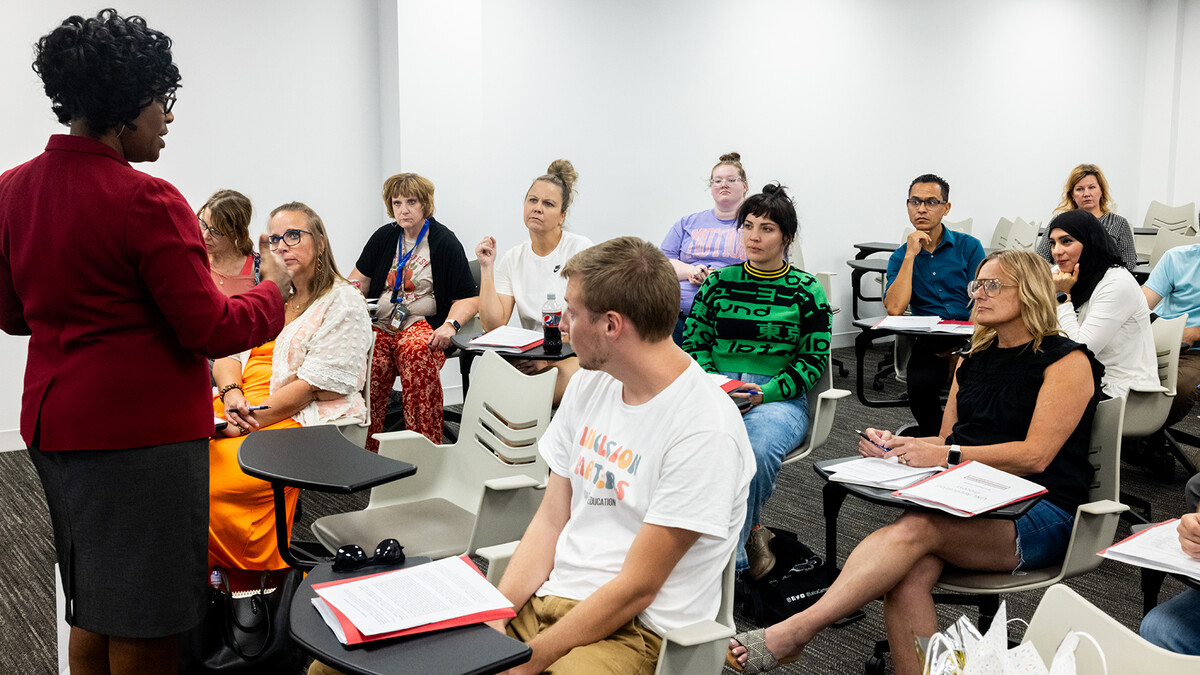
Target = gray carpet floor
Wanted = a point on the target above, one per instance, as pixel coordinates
(27, 629)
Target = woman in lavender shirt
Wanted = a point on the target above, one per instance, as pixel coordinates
(704, 241)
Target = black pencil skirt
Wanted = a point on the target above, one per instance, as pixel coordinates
(130, 535)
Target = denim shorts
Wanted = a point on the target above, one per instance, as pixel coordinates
(1042, 536)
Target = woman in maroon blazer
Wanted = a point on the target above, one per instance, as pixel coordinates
(103, 266)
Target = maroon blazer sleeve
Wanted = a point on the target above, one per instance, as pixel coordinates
(166, 249)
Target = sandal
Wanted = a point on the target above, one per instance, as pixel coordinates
(758, 658)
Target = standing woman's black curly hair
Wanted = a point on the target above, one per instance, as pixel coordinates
(104, 70)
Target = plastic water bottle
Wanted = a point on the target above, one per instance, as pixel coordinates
(551, 315)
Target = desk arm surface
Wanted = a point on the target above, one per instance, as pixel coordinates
(1102, 507)
(511, 483)
(834, 394)
(698, 633)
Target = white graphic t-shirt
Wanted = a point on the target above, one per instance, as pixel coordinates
(679, 460)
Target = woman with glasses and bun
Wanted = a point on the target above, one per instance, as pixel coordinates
(1100, 304)
(1022, 400)
(1087, 189)
(104, 268)
(311, 373)
(529, 271)
(709, 239)
(764, 323)
(418, 270)
(225, 225)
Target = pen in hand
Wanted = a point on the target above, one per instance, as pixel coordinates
(250, 409)
(868, 439)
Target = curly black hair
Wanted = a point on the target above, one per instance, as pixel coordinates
(104, 70)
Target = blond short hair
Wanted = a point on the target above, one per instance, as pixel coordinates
(408, 185)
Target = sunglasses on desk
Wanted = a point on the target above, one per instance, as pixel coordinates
(352, 556)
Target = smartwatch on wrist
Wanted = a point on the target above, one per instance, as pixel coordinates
(1062, 298)
(954, 456)
(454, 323)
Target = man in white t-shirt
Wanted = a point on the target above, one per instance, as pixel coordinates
(650, 467)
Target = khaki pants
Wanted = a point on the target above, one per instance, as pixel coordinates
(630, 649)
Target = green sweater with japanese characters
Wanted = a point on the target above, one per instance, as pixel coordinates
(777, 323)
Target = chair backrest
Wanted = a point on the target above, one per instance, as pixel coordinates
(1104, 450)
(963, 225)
(1178, 219)
(356, 432)
(506, 412)
(1062, 610)
(822, 406)
(708, 654)
(1166, 240)
(1022, 234)
(1000, 234)
(1146, 411)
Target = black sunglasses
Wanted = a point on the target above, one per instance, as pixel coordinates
(352, 556)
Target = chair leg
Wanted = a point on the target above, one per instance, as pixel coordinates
(842, 370)
(1174, 439)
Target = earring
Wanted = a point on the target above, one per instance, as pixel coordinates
(319, 264)
(122, 130)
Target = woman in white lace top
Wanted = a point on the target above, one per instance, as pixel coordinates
(312, 373)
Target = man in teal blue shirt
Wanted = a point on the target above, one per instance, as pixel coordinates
(929, 272)
(1172, 290)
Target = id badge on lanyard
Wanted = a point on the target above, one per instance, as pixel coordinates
(391, 317)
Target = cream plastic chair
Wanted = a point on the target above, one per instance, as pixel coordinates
(1000, 234)
(1095, 526)
(1146, 408)
(1166, 240)
(356, 432)
(695, 649)
(1062, 610)
(1022, 234)
(481, 491)
(963, 226)
(822, 405)
(796, 256)
(1177, 219)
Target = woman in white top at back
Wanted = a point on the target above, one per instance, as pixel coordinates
(528, 272)
(1099, 302)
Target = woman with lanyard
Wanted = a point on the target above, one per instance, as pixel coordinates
(417, 269)
(103, 267)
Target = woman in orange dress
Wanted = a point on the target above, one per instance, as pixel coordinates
(312, 373)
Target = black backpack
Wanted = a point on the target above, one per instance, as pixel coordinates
(798, 580)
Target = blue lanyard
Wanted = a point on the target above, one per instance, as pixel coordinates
(402, 257)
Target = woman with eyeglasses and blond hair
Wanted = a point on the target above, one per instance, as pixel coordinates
(706, 240)
(1022, 400)
(1087, 189)
(225, 226)
(311, 373)
(103, 267)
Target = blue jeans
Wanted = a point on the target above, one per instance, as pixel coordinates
(774, 430)
(1175, 624)
(1042, 536)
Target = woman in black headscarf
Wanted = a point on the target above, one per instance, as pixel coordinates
(1100, 303)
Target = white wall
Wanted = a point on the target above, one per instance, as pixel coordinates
(843, 102)
(280, 100)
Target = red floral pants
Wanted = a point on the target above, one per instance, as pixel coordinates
(408, 355)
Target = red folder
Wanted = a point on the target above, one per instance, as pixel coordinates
(354, 637)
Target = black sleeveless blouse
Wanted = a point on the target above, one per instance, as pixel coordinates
(997, 393)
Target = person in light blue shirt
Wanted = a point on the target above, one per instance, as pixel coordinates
(929, 273)
(1172, 290)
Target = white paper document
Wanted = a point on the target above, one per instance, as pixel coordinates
(1155, 547)
(969, 489)
(879, 472)
(909, 322)
(508, 337)
(414, 596)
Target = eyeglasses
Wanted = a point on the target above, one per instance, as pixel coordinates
(932, 202)
(352, 557)
(290, 237)
(167, 101)
(991, 287)
(717, 182)
(211, 230)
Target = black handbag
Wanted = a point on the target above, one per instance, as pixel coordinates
(246, 634)
(798, 580)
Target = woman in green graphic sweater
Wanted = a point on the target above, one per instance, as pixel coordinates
(767, 324)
